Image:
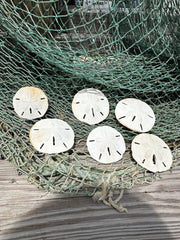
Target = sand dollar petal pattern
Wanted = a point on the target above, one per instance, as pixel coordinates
(52, 136)
(151, 152)
(135, 115)
(105, 144)
(30, 102)
(90, 106)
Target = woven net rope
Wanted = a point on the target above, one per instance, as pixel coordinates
(123, 48)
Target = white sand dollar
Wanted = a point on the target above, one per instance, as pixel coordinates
(135, 115)
(30, 102)
(52, 136)
(90, 106)
(105, 144)
(151, 152)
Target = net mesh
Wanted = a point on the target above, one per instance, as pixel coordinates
(124, 48)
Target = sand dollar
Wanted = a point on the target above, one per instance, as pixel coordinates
(105, 144)
(30, 102)
(151, 152)
(135, 115)
(52, 136)
(90, 106)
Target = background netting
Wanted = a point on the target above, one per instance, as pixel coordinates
(123, 48)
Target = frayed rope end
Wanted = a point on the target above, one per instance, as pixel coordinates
(106, 196)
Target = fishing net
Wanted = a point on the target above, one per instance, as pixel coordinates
(123, 48)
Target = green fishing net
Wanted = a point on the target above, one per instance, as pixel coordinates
(123, 48)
